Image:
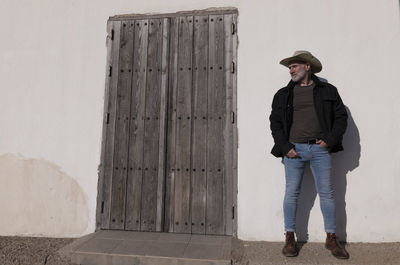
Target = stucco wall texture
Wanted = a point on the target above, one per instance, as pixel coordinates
(38, 198)
(52, 72)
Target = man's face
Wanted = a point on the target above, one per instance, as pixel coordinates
(298, 70)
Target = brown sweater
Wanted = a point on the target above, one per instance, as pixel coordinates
(305, 121)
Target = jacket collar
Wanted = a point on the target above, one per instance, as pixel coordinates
(314, 78)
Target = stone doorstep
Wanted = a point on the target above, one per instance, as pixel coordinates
(117, 259)
(126, 247)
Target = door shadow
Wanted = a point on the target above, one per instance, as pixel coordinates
(342, 163)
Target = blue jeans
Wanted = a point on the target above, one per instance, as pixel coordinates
(320, 164)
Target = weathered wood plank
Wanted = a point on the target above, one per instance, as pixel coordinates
(134, 184)
(228, 130)
(152, 127)
(106, 168)
(171, 130)
(118, 197)
(183, 141)
(163, 123)
(199, 132)
(216, 112)
(235, 129)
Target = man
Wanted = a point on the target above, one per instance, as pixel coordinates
(308, 120)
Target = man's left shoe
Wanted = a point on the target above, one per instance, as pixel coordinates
(334, 246)
(290, 248)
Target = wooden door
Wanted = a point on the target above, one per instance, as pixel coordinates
(169, 138)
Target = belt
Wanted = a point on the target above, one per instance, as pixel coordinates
(311, 141)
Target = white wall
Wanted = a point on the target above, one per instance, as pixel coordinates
(52, 71)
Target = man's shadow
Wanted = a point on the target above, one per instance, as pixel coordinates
(342, 163)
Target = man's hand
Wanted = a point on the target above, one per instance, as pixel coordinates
(322, 143)
(292, 153)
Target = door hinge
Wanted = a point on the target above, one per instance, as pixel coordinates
(108, 117)
(233, 212)
(233, 67)
(233, 117)
(110, 71)
(112, 34)
(102, 207)
(237, 132)
(233, 28)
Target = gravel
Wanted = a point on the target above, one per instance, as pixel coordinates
(265, 253)
(32, 250)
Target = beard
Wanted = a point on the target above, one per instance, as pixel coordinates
(300, 75)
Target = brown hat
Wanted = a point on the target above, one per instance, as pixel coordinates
(304, 56)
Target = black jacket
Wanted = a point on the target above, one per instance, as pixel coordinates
(331, 112)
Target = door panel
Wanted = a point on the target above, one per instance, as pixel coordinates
(199, 136)
(122, 122)
(163, 126)
(151, 138)
(105, 180)
(199, 124)
(183, 126)
(216, 120)
(138, 99)
(136, 194)
(171, 126)
(229, 142)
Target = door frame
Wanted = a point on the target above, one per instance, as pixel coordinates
(112, 44)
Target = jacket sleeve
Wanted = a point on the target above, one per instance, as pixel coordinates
(282, 145)
(339, 123)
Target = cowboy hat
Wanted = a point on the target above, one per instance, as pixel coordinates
(304, 56)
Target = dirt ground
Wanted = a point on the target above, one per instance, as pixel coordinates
(43, 251)
(266, 253)
(32, 251)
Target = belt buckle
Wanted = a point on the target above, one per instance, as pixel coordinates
(312, 141)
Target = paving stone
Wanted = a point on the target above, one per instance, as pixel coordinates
(203, 251)
(166, 249)
(127, 235)
(112, 234)
(99, 245)
(91, 259)
(174, 237)
(125, 260)
(226, 250)
(208, 239)
(130, 247)
(142, 236)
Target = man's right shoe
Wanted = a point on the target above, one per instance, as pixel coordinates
(290, 248)
(334, 246)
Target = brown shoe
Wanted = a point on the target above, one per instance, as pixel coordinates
(290, 248)
(334, 246)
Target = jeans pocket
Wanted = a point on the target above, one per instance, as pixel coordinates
(325, 149)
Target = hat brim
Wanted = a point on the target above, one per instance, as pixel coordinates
(316, 65)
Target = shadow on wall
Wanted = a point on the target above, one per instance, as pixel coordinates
(342, 163)
(38, 199)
